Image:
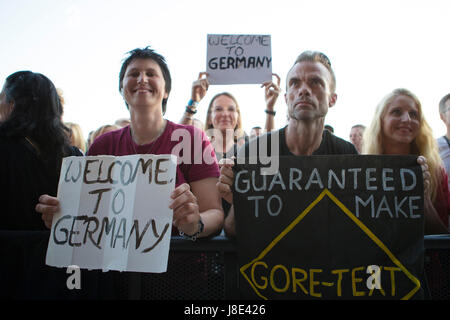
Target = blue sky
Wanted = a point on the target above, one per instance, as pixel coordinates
(374, 47)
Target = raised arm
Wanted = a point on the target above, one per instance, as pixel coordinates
(199, 89)
(271, 93)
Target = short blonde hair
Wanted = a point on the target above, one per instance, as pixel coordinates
(424, 144)
(76, 136)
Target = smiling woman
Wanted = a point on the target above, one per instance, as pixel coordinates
(143, 74)
(224, 125)
(145, 83)
(399, 127)
(400, 124)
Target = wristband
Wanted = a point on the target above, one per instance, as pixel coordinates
(201, 226)
(270, 112)
(190, 111)
(192, 103)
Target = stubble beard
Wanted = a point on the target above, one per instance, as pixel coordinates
(308, 116)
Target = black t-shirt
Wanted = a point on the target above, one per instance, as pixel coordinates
(330, 145)
(24, 177)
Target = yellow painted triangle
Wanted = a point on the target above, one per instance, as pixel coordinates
(369, 233)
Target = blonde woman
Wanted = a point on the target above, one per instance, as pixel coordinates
(399, 127)
(223, 123)
(76, 136)
(223, 118)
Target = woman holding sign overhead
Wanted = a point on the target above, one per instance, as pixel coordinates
(145, 84)
(33, 141)
(399, 127)
(223, 123)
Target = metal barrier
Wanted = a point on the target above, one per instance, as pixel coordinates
(204, 270)
(437, 266)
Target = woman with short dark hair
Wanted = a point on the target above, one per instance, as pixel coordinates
(145, 83)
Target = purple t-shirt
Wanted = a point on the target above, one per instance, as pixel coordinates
(196, 157)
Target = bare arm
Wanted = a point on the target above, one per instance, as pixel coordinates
(229, 225)
(271, 92)
(199, 89)
(199, 199)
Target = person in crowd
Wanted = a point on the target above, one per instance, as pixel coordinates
(101, 131)
(62, 100)
(122, 122)
(356, 136)
(76, 136)
(399, 128)
(255, 132)
(33, 142)
(444, 141)
(223, 122)
(310, 92)
(329, 128)
(145, 84)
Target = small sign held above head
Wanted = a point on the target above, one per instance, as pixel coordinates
(238, 59)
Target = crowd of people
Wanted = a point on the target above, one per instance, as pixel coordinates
(34, 139)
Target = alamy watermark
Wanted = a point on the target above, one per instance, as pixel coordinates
(74, 280)
(190, 150)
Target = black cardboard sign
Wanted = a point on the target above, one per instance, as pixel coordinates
(330, 227)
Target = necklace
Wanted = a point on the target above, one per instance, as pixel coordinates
(152, 144)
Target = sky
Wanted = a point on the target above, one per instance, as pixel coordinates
(374, 47)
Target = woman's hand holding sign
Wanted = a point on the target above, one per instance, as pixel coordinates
(186, 214)
(48, 206)
(196, 208)
(422, 161)
(198, 92)
(272, 91)
(433, 224)
(200, 87)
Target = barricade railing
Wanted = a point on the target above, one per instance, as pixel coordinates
(203, 270)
